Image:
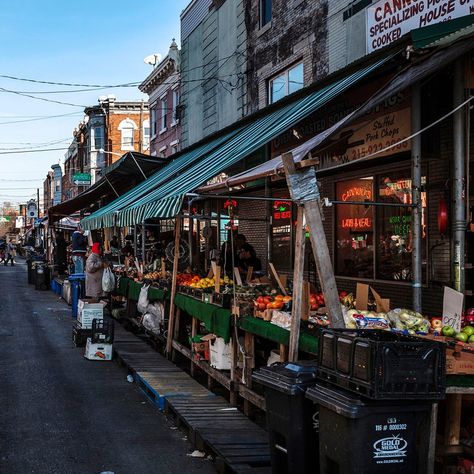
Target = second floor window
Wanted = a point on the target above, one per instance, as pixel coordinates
(265, 12)
(98, 138)
(286, 83)
(175, 105)
(154, 121)
(146, 134)
(164, 114)
(127, 128)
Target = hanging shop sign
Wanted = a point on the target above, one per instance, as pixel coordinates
(81, 179)
(389, 20)
(281, 210)
(368, 138)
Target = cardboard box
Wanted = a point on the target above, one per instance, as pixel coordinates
(362, 299)
(88, 310)
(98, 351)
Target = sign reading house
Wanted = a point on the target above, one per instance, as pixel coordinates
(389, 20)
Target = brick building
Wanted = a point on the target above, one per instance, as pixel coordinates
(48, 191)
(108, 131)
(163, 89)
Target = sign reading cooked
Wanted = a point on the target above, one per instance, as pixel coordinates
(388, 20)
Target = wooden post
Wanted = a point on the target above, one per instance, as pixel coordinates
(234, 382)
(249, 347)
(194, 328)
(298, 299)
(453, 419)
(304, 190)
(283, 353)
(177, 236)
(177, 320)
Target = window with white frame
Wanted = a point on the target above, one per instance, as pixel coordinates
(164, 114)
(127, 128)
(175, 106)
(154, 121)
(287, 82)
(265, 12)
(97, 138)
(146, 134)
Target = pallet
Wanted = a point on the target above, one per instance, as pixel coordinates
(215, 427)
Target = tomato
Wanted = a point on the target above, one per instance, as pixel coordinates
(279, 298)
(278, 305)
(269, 305)
(261, 306)
(313, 300)
(267, 299)
(342, 294)
(260, 299)
(286, 299)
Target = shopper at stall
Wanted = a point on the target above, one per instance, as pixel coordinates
(114, 245)
(94, 271)
(234, 242)
(10, 252)
(79, 249)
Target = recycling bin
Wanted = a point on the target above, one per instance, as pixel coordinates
(41, 276)
(77, 282)
(360, 435)
(292, 419)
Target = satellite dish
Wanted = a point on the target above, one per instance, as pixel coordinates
(153, 59)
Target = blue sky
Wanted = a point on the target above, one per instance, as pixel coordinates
(91, 42)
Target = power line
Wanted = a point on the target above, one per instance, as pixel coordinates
(41, 118)
(20, 180)
(41, 98)
(31, 151)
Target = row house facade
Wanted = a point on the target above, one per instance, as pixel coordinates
(108, 131)
(163, 89)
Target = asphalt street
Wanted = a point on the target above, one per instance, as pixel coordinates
(61, 413)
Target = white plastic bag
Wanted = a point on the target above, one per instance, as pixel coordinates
(157, 309)
(151, 323)
(108, 280)
(143, 299)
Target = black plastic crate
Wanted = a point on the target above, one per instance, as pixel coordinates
(222, 300)
(80, 335)
(102, 331)
(382, 364)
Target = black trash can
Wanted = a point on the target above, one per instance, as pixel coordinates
(292, 419)
(29, 266)
(365, 436)
(42, 276)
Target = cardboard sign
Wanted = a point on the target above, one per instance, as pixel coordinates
(238, 278)
(277, 278)
(453, 303)
(383, 304)
(217, 285)
(249, 274)
(362, 296)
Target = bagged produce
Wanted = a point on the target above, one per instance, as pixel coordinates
(143, 299)
(406, 320)
(362, 319)
(108, 281)
(151, 322)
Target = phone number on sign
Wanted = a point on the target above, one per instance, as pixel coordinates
(361, 152)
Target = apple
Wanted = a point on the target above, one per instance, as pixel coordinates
(469, 330)
(448, 331)
(436, 324)
(463, 337)
(471, 338)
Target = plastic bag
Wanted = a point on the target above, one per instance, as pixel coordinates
(108, 281)
(143, 299)
(151, 323)
(157, 309)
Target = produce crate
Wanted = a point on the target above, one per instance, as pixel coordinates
(102, 331)
(80, 335)
(381, 364)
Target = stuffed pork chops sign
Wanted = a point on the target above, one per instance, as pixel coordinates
(389, 20)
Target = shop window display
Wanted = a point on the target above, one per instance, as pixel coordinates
(376, 242)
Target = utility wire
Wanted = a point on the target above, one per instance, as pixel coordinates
(31, 151)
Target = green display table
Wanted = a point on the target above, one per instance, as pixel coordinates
(122, 286)
(267, 330)
(217, 320)
(135, 287)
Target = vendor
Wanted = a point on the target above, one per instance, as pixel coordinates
(248, 258)
(127, 251)
(114, 245)
(94, 271)
(79, 249)
(225, 260)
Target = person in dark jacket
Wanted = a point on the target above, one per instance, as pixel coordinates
(79, 249)
(60, 253)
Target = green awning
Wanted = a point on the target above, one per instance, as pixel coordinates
(166, 200)
(162, 194)
(105, 216)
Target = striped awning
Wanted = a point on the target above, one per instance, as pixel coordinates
(162, 195)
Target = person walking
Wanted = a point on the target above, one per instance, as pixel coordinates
(94, 271)
(79, 249)
(10, 253)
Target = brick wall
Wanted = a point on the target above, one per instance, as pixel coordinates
(297, 32)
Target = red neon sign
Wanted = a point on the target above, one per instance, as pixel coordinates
(357, 223)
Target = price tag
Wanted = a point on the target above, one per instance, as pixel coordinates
(453, 302)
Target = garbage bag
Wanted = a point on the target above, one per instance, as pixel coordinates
(143, 299)
(108, 281)
(157, 309)
(151, 323)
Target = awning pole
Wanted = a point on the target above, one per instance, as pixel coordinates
(417, 270)
(459, 179)
(138, 166)
(110, 184)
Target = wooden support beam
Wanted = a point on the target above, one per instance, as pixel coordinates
(177, 236)
(453, 419)
(298, 297)
(304, 190)
(177, 321)
(283, 353)
(249, 348)
(194, 328)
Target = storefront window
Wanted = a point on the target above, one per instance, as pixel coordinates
(281, 235)
(377, 242)
(394, 226)
(355, 229)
